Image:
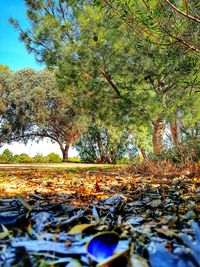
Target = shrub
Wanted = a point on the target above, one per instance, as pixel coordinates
(187, 152)
(24, 158)
(124, 160)
(16, 158)
(39, 158)
(6, 156)
(173, 162)
(54, 158)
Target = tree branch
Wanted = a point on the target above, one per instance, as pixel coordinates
(186, 6)
(181, 12)
(180, 40)
(109, 80)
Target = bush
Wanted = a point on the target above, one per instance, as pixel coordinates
(39, 158)
(188, 151)
(24, 158)
(173, 162)
(16, 158)
(6, 156)
(54, 158)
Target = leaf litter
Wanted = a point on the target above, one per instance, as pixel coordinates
(53, 217)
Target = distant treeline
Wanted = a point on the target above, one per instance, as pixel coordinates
(8, 157)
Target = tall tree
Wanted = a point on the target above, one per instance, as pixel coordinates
(126, 68)
(5, 90)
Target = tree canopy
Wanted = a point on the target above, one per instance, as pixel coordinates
(37, 109)
(132, 64)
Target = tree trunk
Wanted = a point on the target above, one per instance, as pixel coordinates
(142, 151)
(158, 133)
(107, 155)
(175, 132)
(101, 149)
(65, 153)
(112, 154)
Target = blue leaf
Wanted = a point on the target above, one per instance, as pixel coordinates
(8, 218)
(159, 256)
(194, 246)
(102, 246)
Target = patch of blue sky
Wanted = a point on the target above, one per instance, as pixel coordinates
(12, 51)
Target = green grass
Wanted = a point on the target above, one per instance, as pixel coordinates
(74, 160)
(91, 168)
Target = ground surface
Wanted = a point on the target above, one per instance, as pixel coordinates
(51, 165)
(153, 216)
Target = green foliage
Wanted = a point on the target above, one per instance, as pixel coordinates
(102, 145)
(23, 158)
(5, 90)
(54, 158)
(37, 109)
(144, 74)
(16, 158)
(3, 67)
(6, 156)
(39, 158)
(164, 23)
(74, 160)
(127, 160)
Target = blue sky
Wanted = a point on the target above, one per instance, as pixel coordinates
(12, 51)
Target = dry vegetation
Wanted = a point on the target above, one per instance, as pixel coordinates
(39, 208)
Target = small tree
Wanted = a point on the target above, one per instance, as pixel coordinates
(102, 144)
(54, 158)
(24, 158)
(6, 156)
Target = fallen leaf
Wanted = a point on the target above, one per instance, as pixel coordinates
(80, 228)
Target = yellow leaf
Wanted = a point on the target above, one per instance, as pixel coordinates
(80, 228)
(5, 232)
(113, 259)
(25, 203)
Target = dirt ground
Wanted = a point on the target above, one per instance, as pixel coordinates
(42, 204)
